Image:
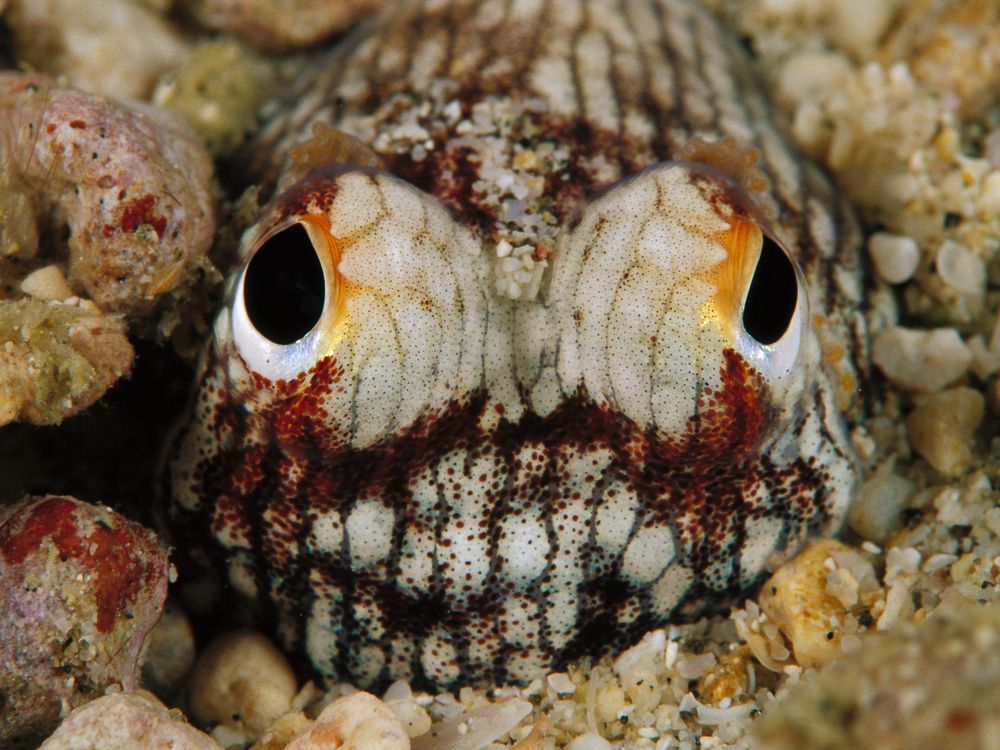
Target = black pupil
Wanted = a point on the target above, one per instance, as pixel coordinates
(284, 289)
(773, 292)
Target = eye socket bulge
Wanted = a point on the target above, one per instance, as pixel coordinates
(284, 288)
(772, 296)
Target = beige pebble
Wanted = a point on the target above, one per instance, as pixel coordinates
(355, 722)
(807, 75)
(86, 40)
(858, 25)
(921, 360)
(960, 268)
(589, 741)
(610, 701)
(279, 24)
(894, 256)
(282, 731)
(729, 678)
(241, 679)
(135, 721)
(985, 357)
(985, 353)
(878, 503)
(988, 202)
(47, 284)
(477, 727)
(170, 652)
(399, 697)
(806, 599)
(940, 429)
(636, 669)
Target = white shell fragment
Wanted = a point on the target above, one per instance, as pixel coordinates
(921, 360)
(475, 728)
(355, 722)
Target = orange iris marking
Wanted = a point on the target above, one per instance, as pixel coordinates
(318, 228)
(742, 242)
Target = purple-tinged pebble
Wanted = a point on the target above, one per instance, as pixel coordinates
(80, 588)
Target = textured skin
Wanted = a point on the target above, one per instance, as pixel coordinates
(529, 424)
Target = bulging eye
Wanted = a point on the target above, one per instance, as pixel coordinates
(283, 287)
(773, 295)
(284, 299)
(774, 311)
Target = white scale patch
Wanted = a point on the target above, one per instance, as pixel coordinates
(463, 553)
(561, 614)
(439, 658)
(629, 274)
(519, 621)
(369, 528)
(322, 626)
(369, 660)
(667, 592)
(327, 533)
(649, 552)
(615, 517)
(761, 540)
(416, 562)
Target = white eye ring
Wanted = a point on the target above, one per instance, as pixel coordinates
(777, 360)
(278, 360)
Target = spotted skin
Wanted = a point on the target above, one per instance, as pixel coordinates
(528, 424)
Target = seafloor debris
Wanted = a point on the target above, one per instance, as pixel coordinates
(921, 360)
(914, 143)
(942, 427)
(57, 356)
(817, 599)
(133, 187)
(280, 24)
(136, 721)
(933, 684)
(218, 88)
(85, 41)
(355, 721)
(80, 588)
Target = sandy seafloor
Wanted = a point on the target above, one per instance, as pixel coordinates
(898, 645)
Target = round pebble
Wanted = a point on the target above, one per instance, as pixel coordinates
(170, 652)
(807, 74)
(135, 721)
(961, 269)
(879, 502)
(894, 256)
(858, 25)
(932, 684)
(589, 742)
(940, 429)
(241, 679)
(80, 589)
